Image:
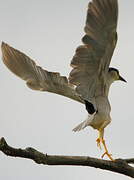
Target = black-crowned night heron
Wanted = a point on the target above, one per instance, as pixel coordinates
(90, 78)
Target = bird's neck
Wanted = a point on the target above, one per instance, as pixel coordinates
(108, 84)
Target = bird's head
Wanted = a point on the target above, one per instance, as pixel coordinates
(114, 75)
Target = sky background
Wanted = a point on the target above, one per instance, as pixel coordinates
(49, 32)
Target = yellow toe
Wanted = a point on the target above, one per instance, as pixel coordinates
(108, 155)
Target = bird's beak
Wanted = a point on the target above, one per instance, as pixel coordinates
(122, 79)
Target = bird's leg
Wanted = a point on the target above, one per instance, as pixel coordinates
(100, 140)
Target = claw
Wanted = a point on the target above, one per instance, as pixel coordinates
(109, 156)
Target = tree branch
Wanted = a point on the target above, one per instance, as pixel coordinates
(119, 165)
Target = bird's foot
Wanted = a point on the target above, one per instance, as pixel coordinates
(98, 140)
(108, 155)
(106, 151)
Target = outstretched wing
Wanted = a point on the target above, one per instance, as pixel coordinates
(91, 60)
(37, 78)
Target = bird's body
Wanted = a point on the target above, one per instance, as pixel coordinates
(91, 77)
(102, 116)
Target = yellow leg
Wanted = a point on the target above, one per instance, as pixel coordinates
(100, 140)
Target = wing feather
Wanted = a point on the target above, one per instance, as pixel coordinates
(37, 78)
(91, 60)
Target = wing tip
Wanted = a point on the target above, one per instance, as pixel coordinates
(5, 48)
(4, 45)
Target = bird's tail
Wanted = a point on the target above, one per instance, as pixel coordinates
(84, 123)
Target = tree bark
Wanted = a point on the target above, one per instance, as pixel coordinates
(119, 165)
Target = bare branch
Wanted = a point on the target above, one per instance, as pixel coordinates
(130, 161)
(119, 165)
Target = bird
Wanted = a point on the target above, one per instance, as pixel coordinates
(91, 75)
